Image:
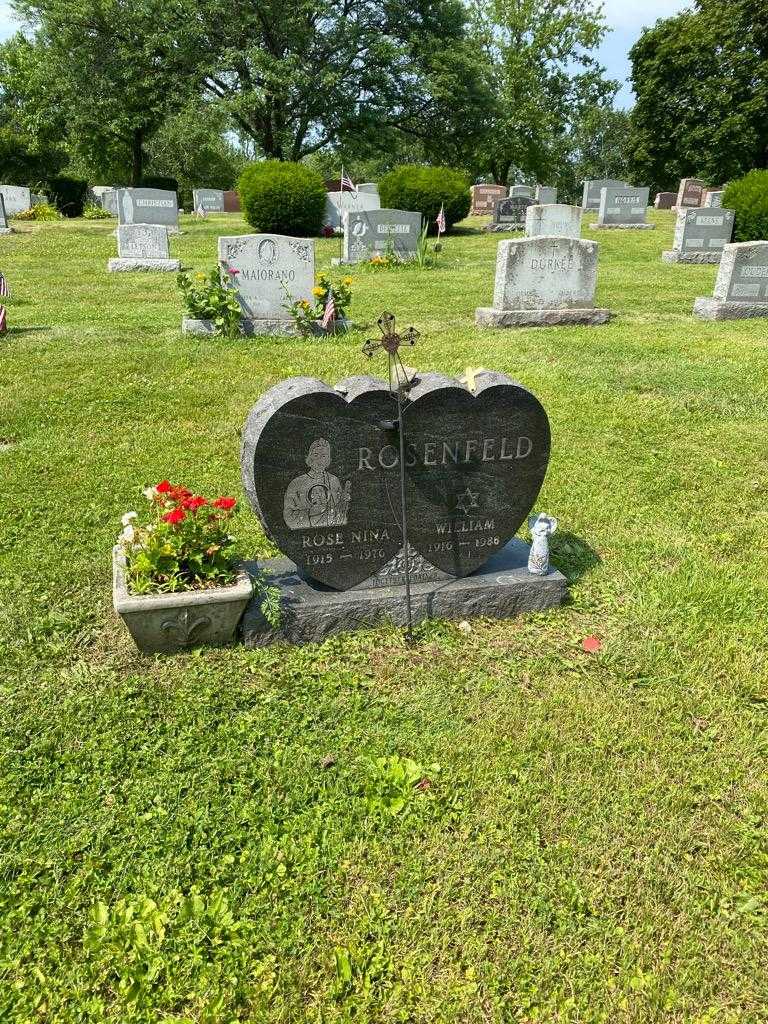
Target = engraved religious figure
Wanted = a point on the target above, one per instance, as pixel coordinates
(542, 527)
(316, 498)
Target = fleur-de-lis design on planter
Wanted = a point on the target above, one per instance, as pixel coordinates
(186, 627)
(391, 342)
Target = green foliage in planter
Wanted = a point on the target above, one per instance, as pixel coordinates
(280, 197)
(425, 190)
(41, 211)
(748, 197)
(68, 194)
(207, 297)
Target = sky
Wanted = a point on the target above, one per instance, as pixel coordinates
(625, 18)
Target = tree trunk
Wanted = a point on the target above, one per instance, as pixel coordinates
(137, 156)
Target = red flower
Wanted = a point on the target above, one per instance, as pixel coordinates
(193, 503)
(232, 271)
(591, 644)
(225, 503)
(164, 487)
(176, 515)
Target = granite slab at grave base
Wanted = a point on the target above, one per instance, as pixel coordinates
(623, 227)
(714, 309)
(505, 227)
(501, 589)
(676, 256)
(274, 328)
(486, 316)
(143, 263)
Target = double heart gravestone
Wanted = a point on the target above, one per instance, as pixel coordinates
(321, 470)
(143, 247)
(741, 288)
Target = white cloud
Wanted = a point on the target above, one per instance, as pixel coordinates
(636, 14)
(8, 23)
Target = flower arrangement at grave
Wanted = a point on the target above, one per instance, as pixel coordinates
(213, 297)
(182, 543)
(308, 315)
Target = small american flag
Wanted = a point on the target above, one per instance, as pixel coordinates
(330, 311)
(440, 220)
(3, 323)
(5, 291)
(200, 211)
(346, 181)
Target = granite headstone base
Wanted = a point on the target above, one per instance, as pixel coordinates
(249, 327)
(623, 227)
(508, 226)
(677, 256)
(487, 316)
(310, 611)
(124, 263)
(714, 309)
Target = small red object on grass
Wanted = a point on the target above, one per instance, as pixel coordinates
(591, 644)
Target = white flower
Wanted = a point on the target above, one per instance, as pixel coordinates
(126, 520)
(150, 493)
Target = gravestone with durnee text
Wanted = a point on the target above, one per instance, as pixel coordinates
(665, 200)
(378, 232)
(590, 196)
(553, 219)
(4, 228)
(339, 203)
(484, 198)
(269, 273)
(700, 236)
(623, 207)
(544, 281)
(143, 247)
(209, 200)
(321, 469)
(509, 214)
(148, 206)
(545, 195)
(690, 193)
(741, 288)
(521, 190)
(17, 198)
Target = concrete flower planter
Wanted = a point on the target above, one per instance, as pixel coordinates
(166, 623)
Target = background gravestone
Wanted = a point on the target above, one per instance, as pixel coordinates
(148, 206)
(270, 273)
(231, 201)
(623, 207)
(339, 203)
(700, 235)
(590, 197)
(4, 228)
(741, 288)
(484, 198)
(368, 186)
(690, 192)
(211, 200)
(713, 199)
(544, 281)
(380, 231)
(521, 190)
(16, 198)
(509, 214)
(665, 200)
(143, 247)
(545, 194)
(109, 201)
(553, 219)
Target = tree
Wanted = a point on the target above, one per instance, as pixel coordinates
(543, 74)
(701, 81)
(299, 77)
(119, 69)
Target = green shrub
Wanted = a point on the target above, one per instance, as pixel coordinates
(280, 197)
(41, 211)
(68, 194)
(748, 198)
(425, 190)
(92, 211)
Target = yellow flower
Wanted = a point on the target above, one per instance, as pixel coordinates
(318, 292)
(304, 304)
(347, 281)
(199, 277)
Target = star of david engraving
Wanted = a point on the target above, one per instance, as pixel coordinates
(467, 500)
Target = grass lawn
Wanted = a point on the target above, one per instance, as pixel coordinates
(234, 835)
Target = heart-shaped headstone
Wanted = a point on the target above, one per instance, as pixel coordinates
(321, 469)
